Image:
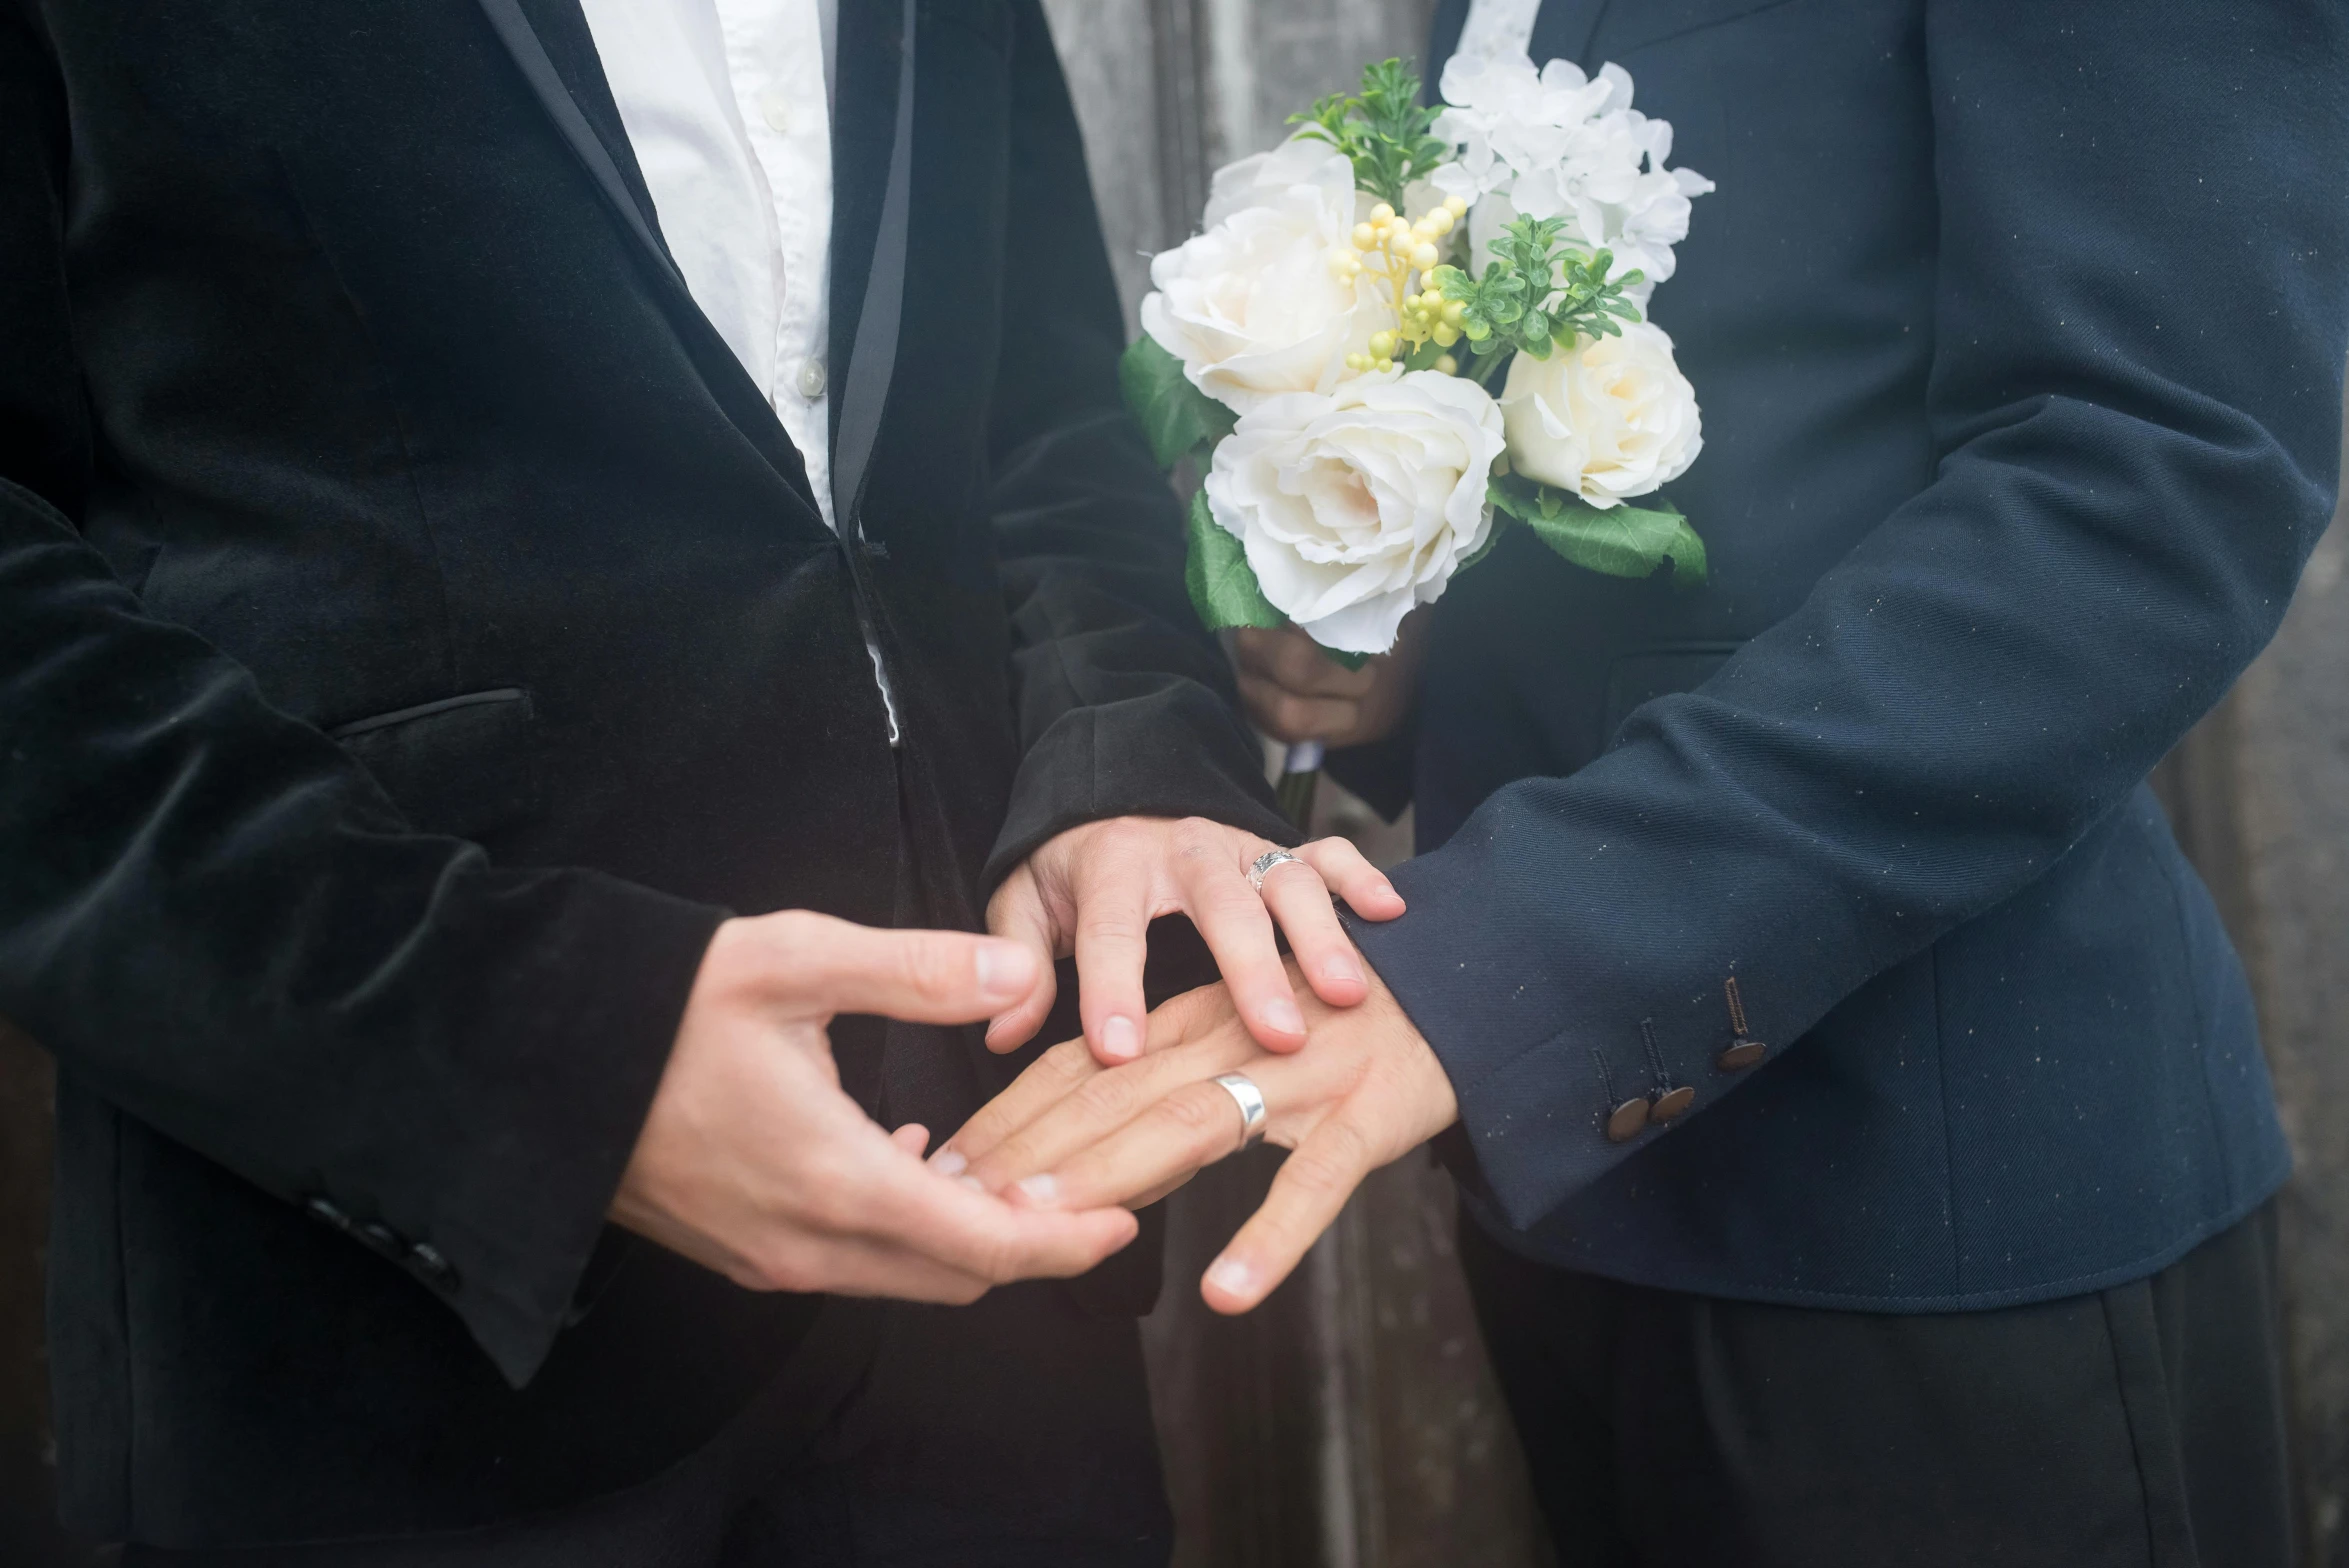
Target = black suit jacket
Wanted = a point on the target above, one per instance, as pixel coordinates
(416, 633)
(2019, 329)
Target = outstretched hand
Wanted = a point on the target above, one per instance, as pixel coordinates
(1070, 1134)
(755, 1162)
(1093, 891)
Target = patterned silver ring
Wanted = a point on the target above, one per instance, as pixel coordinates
(1250, 1100)
(1265, 864)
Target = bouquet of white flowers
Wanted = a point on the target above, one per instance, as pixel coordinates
(1329, 349)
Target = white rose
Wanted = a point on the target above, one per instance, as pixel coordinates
(1251, 307)
(1611, 420)
(1356, 506)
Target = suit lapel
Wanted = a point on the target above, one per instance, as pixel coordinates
(1565, 30)
(866, 68)
(872, 180)
(555, 52)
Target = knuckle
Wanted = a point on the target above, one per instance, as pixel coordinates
(1110, 1097)
(931, 965)
(994, 1260)
(1196, 838)
(1315, 1175)
(1068, 1063)
(1121, 835)
(1197, 1109)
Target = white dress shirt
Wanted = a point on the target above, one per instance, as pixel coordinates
(727, 104)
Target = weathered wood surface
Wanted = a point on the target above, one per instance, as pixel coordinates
(2260, 796)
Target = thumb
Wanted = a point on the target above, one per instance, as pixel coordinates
(821, 966)
(1017, 914)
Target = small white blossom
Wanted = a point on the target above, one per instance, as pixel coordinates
(1556, 143)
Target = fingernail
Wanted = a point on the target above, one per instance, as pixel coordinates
(1388, 889)
(1232, 1277)
(1281, 1016)
(949, 1162)
(973, 1183)
(1120, 1040)
(1042, 1191)
(1005, 970)
(1344, 969)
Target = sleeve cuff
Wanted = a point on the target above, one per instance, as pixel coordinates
(509, 1223)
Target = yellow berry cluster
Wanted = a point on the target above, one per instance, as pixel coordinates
(1393, 250)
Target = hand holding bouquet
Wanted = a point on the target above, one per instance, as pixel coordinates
(1329, 347)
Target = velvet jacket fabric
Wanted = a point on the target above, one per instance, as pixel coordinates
(2019, 331)
(416, 633)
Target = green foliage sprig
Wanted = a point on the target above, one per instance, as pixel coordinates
(1384, 129)
(1615, 541)
(1540, 291)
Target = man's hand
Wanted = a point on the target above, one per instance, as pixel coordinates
(755, 1163)
(1294, 691)
(1070, 1134)
(1094, 890)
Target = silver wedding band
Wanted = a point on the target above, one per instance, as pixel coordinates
(1250, 1100)
(1265, 863)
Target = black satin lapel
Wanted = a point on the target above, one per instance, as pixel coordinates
(864, 129)
(872, 354)
(1564, 30)
(570, 93)
(515, 31)
(562, 30)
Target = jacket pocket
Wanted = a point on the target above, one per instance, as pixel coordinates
(1636, 678)
(464, 766)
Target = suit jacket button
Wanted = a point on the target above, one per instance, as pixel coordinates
(1742, 1053)
(1627, 1121)
(1671, 1103)
(324, 1211)
(435, 1268)
(382, 1238)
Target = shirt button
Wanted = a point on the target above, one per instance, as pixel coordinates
(775, 105)
(811, 379)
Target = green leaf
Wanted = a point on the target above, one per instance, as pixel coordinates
(1223, 588)
(1177, 417)
(1617, 541)
(1383, 130)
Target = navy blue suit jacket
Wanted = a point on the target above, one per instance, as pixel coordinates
(2019, 329)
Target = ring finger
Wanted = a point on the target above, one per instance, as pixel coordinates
(1195, 1126)
(1298, 898)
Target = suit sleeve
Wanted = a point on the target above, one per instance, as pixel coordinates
(2143, 273)
(1125, 702)
(216, 921)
